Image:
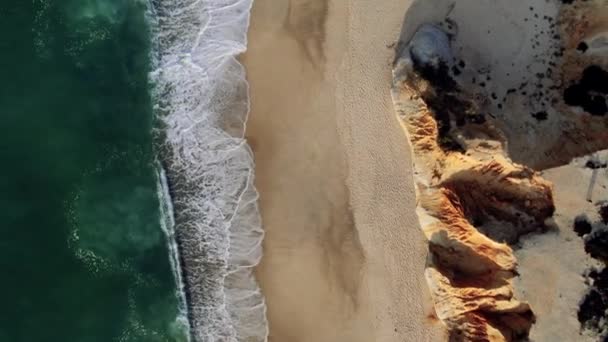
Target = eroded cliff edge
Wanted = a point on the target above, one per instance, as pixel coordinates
(473, 199)
(468, 272)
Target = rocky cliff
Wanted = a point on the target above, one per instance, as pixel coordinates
(470, 196)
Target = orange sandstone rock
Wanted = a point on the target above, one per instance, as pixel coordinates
(461, 192)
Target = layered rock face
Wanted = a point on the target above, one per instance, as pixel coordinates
(470, 195)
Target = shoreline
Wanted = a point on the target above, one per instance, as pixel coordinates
(201, 103)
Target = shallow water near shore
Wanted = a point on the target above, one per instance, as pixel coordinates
(83, 252)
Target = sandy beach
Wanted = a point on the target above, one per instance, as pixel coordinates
(343, 254)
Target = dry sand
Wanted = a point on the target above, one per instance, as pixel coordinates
(343, 255)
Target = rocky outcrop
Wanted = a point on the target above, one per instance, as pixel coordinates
(593, 307)
(471, 198)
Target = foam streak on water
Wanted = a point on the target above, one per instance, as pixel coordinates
(167, 223)
(202, 100)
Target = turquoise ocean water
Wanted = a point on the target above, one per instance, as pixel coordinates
(83, 257)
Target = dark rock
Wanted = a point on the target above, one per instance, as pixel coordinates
(603, 210)
(575, 95)
(596, 243)
(595, 79)
(476, 119)
(587, 93)
(430, 45)
(431, 54)
(592, 309)
(582, 225)
(596, 105)
(595, 164)
(540, 116)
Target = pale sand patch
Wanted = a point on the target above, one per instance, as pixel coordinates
(343, 254)
(552, 264)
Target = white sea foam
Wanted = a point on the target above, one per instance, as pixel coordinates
(202, 100)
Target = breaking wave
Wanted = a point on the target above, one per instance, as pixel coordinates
(202, 103)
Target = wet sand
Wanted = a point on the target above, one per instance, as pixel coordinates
(343, 255)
